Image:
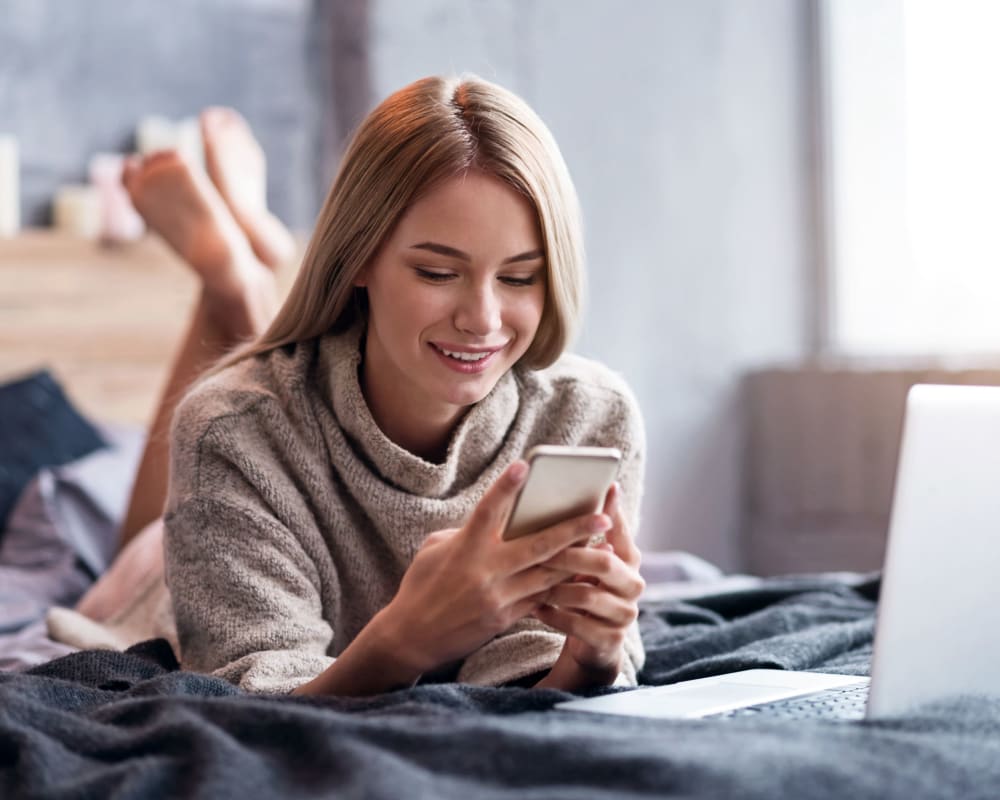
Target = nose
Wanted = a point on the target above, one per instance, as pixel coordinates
(478, 312)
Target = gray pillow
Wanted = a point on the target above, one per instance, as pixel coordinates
(39, 427)
(62, 532)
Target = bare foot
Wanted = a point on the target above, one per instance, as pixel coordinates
(236, 165)
(180, 203)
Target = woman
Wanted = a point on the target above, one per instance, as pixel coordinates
(338, 487)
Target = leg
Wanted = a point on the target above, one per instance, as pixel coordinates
(135, 566)
(237, 301)
(235, 162)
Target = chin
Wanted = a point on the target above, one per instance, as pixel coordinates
(470, 394)
(466, 398)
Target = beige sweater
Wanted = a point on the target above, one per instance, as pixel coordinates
(292, 518)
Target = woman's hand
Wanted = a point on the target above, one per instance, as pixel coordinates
(468, 585)
(596, 607)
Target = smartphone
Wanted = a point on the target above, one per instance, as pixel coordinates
(563, 482)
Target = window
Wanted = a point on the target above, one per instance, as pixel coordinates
(912, 172)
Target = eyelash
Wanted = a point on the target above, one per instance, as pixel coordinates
(442, 277)
(519, 281)
(437, 277)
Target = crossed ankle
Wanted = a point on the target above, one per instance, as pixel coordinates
(239, 312)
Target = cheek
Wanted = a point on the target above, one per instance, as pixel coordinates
(404, 308)
(427, 308)
(523, 318)
(530, 310)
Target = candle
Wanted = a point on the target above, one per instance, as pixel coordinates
(155, 133)
(159, 133)
(119, 220)
(10, 191)
(77, 211)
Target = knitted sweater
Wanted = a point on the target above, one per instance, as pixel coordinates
(291, 517)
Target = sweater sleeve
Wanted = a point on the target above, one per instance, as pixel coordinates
(631, 473)
(631, 477)
(245, 596)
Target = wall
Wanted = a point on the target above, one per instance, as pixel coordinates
(824, 440)
(75, 78)
(686, 126)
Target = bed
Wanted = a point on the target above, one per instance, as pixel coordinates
(101, 724)
(112, 724)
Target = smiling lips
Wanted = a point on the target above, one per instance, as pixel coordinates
(466, 360)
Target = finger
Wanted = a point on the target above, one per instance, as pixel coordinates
(607, 640)
(620, 537)
(490, 514)
(533, 582)
(527, 551)
(602, 564)
(529, 605)
(593, 600)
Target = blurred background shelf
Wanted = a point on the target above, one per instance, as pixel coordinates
(104, 320)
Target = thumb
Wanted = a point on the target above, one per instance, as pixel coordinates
(490, 516)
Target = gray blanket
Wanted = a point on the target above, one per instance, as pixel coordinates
(131, 725)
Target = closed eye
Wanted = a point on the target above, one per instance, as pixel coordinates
(434, 276)
(512, 281)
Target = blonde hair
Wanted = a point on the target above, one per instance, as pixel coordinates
(429, 131)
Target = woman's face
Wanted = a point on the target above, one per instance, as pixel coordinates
(455, 296)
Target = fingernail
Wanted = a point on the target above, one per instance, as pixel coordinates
(599, 523)
(517, 472)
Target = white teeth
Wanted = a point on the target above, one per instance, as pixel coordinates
(464, 356)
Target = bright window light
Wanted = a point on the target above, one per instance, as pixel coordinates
(913, 171)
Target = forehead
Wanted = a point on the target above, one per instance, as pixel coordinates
(473, 212)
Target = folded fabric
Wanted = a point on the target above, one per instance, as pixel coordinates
(62, 533)
(147, 616)
(29, 647)
(39, 427)
(131, 603)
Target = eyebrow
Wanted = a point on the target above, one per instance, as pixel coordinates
(451, 252)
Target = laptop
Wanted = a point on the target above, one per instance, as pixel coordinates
(939, 581)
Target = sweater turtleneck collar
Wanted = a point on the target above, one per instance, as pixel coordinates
(473, 446)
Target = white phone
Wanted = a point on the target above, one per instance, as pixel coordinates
(563, 482)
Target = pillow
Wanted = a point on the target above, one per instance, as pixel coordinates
(62, 532)
(39, 427)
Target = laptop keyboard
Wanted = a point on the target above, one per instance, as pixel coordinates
(846, 703)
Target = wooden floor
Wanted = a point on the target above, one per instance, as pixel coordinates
(106, 321)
